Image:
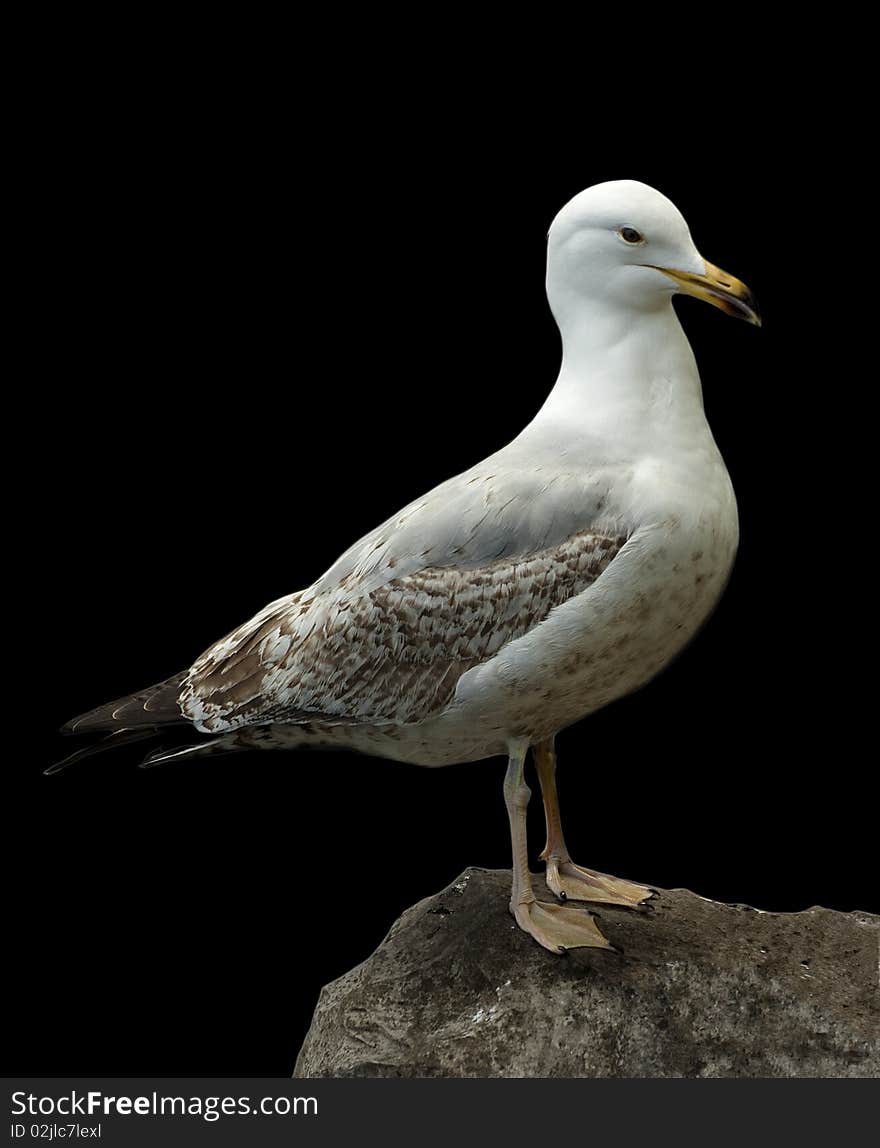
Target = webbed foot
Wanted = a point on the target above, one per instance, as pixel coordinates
(559, 927)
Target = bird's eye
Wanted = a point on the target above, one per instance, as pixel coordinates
(630, 235)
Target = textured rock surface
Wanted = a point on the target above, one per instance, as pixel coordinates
(702, 989)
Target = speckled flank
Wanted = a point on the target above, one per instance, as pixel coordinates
(591, 650)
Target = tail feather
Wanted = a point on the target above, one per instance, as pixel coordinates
(155, 706)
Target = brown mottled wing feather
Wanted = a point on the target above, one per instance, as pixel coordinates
(394, 654)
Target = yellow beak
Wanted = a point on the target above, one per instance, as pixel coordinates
(719, 289)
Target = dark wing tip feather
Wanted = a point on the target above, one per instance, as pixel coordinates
(157, 705)
(118, 738)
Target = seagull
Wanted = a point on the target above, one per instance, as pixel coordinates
(560, 573)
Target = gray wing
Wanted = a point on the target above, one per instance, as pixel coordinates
(392, 653)
(518, 502)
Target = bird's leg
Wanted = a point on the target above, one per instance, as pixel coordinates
(556, 927)
(564, 877)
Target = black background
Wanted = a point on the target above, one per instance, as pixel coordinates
(261, 317)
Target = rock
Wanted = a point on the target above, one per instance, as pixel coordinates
(702, 989)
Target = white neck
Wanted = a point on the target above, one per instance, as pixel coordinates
(631, 372)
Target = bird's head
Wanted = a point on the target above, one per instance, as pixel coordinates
(623, 243)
